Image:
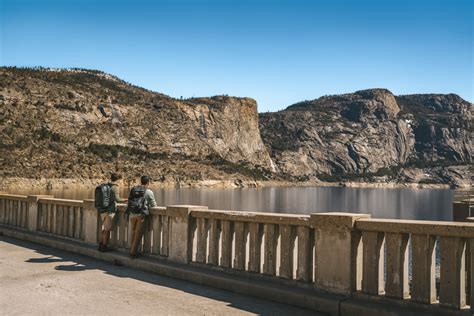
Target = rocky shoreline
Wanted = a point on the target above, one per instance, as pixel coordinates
(8, 184)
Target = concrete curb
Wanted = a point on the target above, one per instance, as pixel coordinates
(330, 304)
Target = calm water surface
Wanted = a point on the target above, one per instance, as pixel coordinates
(426, 204)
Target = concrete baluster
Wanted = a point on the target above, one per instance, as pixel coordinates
(373, 269)
(336, 255)
(240, 232)
(16, 213)
(214, 236)
(396, 284)
(25, 219)
(70, 221)
(121, 228)
(305, 254)
(453, 272)
(58, 219)
(62, 220)
(270, 247)
(19, 213)
(165, 237)
(287, 237)
(423, 287)
(255, 246)
(240, 245)
(2, 210)
(202, 229)
(147, 235)
(77, 222)
(7, 211)
(10, 212)
(44, 214)
(226, 245)
(50, 218)
(156, 222)
(90, 219)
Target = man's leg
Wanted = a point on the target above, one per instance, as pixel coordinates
(137, 235)
(101, 242)
(139, 231)
(105, 239)
(133, 246)
(107, 226)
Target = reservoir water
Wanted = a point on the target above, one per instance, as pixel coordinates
(406, 203)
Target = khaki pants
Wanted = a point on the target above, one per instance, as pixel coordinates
(137, 224)
(107, 221)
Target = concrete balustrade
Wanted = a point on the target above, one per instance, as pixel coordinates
(350, 255)
(237, 240)
(455, 266)
(60, 217)
(14, 210)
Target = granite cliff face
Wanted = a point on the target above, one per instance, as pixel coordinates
(52, 127)
(372, 133)
(82, 124)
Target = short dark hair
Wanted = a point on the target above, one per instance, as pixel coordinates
(145, 180)
(114, 177)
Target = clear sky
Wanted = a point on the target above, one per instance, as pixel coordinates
(277, 52)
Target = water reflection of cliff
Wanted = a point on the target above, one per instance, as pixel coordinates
(427, 204)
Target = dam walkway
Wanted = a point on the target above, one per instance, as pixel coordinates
(40, 280)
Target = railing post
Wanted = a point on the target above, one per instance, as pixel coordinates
(181, 232)
(90, 221)
(337, 251)
(33, 210)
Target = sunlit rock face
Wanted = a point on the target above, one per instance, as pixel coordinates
(52, 126)
(369, 132)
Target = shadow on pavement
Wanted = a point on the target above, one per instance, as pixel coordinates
(78, 263)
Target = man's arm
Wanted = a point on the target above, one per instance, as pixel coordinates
(151, 198)
(116, 195)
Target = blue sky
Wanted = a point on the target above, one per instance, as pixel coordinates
(277, 52)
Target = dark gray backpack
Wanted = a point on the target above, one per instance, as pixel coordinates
(136, 201)
(104, 198)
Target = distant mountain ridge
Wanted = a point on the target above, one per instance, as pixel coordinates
(52, 128)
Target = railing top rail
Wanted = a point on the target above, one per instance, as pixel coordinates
(5, 196)
(435, 228)
(255, 217)
(62, 202)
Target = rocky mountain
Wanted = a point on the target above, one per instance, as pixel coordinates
(77, 123)
(82, 124)
(373, 134)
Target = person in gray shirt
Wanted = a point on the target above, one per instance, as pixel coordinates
(137, 220)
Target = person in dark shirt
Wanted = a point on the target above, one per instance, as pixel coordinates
(108, 215)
